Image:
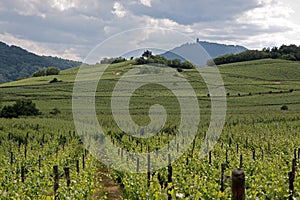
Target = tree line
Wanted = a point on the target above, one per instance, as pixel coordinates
(148, 58)
(285, 52)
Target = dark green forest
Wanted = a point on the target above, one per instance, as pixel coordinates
(17, 63)
(285, 52)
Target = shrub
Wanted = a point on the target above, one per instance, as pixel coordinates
(21, 107)
(41, 72)
(179, 70)
(284, 107)
(46, 72)
(54, 80)
(52, 71)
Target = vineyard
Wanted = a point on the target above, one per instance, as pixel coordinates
(44, 157)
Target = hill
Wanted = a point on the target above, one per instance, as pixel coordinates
(194, 51)
(251, 84)
(17, 63)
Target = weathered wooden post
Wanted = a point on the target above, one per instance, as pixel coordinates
(223, 166)
(25, 151)
(11, 158)
(56, 180)
(137, 165)
(83, 162)
(40, 160)
(77, 167)
(149, 168)
(169, 175)
(238, 184)
(291, 184)
(67, 174)
(241, 161)
(23, 174)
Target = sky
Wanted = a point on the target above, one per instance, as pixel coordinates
(73, 28)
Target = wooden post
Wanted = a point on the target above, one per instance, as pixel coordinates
(291, 184)
(149, 169)
(253, 154)
(209, 157)
(67, 174)
(238, 184)
(241, 161)
(25, 151)
(169, 175)
(77, 167)
(137, 165)
(294, 165)
(23, 174)
(226, 157)
(223, 166)
(56, 180)
(11, 158)
(237, 148)
(169, 169)
(40, 160)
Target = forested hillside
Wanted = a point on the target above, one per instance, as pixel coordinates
(285, 52)
(16, 63)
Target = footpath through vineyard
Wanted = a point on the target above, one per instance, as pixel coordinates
(109, 188)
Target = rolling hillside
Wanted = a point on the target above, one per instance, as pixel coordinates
(254, 86)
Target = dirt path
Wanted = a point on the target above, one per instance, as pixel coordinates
(109, 187)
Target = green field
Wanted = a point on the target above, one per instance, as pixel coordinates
(255, 127)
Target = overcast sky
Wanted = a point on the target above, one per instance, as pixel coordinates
(72, 28)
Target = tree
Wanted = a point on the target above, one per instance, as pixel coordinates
(147, 54)
(175, 63)
(187, 65)
(46, 72)
(52, 71)
(41, 72)
(21, 107)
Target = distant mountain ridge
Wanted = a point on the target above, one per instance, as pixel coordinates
(16, 63)
(201, 51)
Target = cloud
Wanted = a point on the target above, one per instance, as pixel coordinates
(146, 3)
(72, 28)
(119, 10)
